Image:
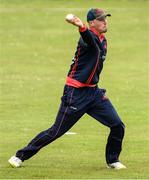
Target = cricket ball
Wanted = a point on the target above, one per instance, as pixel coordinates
(69, 17)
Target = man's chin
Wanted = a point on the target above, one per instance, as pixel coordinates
(104, 31)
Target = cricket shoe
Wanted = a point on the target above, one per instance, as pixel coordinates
(15, 162)
(116, 165)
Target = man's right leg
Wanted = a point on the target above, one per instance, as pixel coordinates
(66, 118)
(74, 105)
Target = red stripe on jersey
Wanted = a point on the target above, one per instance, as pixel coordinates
(92, 73)
(75, 65)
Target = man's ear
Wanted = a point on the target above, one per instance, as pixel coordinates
(91, 23)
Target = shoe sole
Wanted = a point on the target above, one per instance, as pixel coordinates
(109, 167)
(12, 165)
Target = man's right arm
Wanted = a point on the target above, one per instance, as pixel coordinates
(87, 36)
(84, 31)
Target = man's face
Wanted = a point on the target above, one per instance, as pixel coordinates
(100, 25)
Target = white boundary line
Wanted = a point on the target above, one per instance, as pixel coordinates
(70, 133)
(30, 9)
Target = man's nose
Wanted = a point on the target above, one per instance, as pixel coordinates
(105, 21)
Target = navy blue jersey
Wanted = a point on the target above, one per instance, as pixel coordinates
(88, 60)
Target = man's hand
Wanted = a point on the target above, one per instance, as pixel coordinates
(72, 19)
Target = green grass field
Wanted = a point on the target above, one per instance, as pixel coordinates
(36, 48)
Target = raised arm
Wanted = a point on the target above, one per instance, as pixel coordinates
(84, 32)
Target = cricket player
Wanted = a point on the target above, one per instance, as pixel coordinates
(81, 93)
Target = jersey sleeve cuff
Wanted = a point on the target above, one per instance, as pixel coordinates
(82, 29)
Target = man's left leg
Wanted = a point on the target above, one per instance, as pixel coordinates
(103, 111)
